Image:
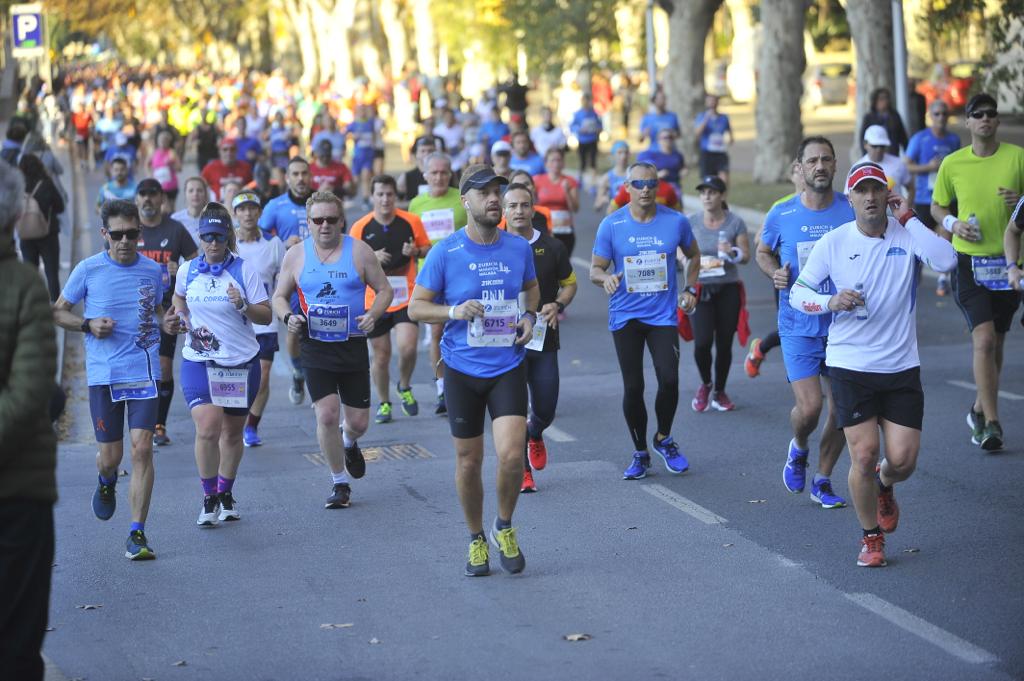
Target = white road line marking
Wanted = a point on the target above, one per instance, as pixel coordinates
(1002, 393)
(952, 644)
(580, 262)
(558, 435)
(683, 504)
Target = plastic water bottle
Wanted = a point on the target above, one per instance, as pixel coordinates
(723, 240)
(972, 220)
(861, 310)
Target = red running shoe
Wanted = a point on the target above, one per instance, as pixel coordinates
(754, 358)
(537, 452)
(528, 485)
(872, 551)
(721, 401)
(700, 400)
(888, 509)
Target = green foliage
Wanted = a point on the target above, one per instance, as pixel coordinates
(557, 34)
(826, 22)
(1004, 72)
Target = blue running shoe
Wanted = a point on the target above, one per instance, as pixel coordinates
(823, 494)
(675, 462)
(638, 469)
(794, 474)
(250, 437)
(104, 500)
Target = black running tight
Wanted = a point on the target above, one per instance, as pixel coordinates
(663, 344)
(714, 324)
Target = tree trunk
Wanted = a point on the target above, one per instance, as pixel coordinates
(871, 27)
(394, 31)
(689, 24)
(364, 38)
(298, 15)
(630, 18)
(426, 38)
(779, 88)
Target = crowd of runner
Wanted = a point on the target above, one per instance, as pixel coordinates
(291, 228)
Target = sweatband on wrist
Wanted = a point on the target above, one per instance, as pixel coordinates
(451, 313)
(905, 217)
(948, 222)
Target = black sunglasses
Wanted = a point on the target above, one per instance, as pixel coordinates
(211, 237)
(331, 220)
(985, 113)
(120, 234)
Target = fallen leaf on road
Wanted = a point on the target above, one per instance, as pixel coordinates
(912, 550)
(728, 545)
(374, 641)
(88, 607)
(573, 638)
(179, 663)
(633, 528)
(757, 501)
(337, 626)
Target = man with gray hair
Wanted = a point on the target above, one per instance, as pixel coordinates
(28, 457)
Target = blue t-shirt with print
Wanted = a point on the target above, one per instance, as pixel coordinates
(923, 147)
(130, 295)
(285, 218)
(791, 229)
(459, 269)
(652, 123)
(713, 137)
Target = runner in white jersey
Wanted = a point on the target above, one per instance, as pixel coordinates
(872, 342)
(197, 194)
(264, 254)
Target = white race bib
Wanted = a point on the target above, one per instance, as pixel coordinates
(990, 272)
(646, 273)
(716, 142)
(134, 390)
(561, 222)
(228, 387)
(439, 224)
(163, 175)
(400, 285)
(540, 333)
(327, 323)
(497, 327)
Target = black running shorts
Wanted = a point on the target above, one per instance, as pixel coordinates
(860, 395)
(467, 397)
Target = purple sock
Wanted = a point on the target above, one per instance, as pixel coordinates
(209, 486)
(224, 484)
(137, 526)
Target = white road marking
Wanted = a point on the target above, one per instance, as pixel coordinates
(691, 508)
(970, 386)
(558, 435)
(580, 262)
(952, 644)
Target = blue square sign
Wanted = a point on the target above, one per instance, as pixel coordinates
(27, 29)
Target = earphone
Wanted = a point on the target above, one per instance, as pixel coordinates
(216, 268)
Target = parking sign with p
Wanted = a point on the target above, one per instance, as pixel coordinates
(27, 24)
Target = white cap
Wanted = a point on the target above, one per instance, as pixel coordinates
(876, 136)
(501, 146)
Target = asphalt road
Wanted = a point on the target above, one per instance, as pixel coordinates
(716, 574)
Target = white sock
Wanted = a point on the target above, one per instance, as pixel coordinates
(340, 478)
(440, 387)
(345, 439)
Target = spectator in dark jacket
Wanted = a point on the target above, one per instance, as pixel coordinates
(39, 185)
(28, 449)
(10, 151)
(882, 113)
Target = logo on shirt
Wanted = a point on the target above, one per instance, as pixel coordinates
(472, 267)
(202, 341)
(857, 255)
(163, 244)
(327, 290)
(148, 334)
(367, 237)
(895, 250)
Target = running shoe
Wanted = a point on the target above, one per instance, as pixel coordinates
(537, 452)
(511, 558)
(529, 486)
(638, 469)
(228, 512)
(823, 494)
(340, 496)
(721, 402)
(888, 509)
(137, 548)
(410, 407)
(976, 422)
(354, 461)
(992, 436)
(210, 515)
(943, 286)
(298, 390)
(478, 564)
(383, 413)
(441, 409)
(872, 551)
(250, 437)
(104, 500)
(700, 400)
(674, 460)
(754, 358)
(794, 473)
(160, 438)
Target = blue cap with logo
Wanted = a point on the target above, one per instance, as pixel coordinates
(214, 224)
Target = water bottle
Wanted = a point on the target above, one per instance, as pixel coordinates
(476, 327)
(723, 241)
(861, 310)
(972, 220)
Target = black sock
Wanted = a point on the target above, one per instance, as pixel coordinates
(166, 392)
(876, 530)
(477, 535)
(253, 420)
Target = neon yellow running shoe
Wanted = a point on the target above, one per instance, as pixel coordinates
(479, 564)
(512, 559)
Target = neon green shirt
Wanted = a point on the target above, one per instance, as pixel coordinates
(973, 182)
(441, 216)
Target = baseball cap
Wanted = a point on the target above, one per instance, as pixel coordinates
(324, 145)
(148, 185)
(863, 172)
(213, 224)
(245, 197)
(712, 182)
(621, 144)
(876, 136)
(479, 176)
(501, 147)
(979, 100)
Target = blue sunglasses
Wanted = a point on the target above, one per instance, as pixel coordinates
(643, 184)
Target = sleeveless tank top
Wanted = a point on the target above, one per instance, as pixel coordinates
(325, 287)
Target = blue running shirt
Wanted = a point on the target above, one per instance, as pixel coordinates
(128, 294)
(923, 147)
(284, 218)
(791, 229)
(620, 237)
(459, 269)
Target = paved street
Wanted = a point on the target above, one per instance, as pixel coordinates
(716, 574)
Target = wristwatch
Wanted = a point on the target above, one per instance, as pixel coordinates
(85, 326)
(692, 290)
(286, 317)
(561, 307)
